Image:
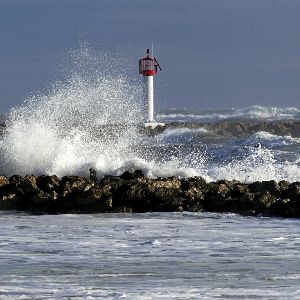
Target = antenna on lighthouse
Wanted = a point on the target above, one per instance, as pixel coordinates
(148, 67)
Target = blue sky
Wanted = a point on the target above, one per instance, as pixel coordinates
(214, 53)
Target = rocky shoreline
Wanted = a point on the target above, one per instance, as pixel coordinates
(133, 192)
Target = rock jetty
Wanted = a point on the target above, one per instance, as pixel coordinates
(133, 192)
(226, 128)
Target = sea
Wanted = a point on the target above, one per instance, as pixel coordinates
(93, 118)
(148, 256)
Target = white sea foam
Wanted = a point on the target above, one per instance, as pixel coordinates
(86, 120)
(270, 140)
(258, 165)
(181, 135)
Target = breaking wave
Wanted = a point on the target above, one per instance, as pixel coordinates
(256, 164)
(269, 140)
(93, 118)
(183, 135)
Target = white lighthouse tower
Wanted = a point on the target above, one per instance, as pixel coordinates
(148, 67)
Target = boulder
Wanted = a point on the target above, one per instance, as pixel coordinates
(127, 175)
(265, 186)
(28, 185)
(48, 183)
(285, 208)
(93, 175)
(292, 192)
(12, 198)
(70, 184)
(90, 201)
(263, 201)
(238, 190)
(3, 181)
(144, 195)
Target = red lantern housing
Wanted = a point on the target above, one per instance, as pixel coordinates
(148, 66)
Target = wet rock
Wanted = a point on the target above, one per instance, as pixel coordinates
(132, 175)
(216, 196)
(3, 181)
(283, 186)
(195, 182)
(93, 175)
(263, 186)
(263, 201)
(10, 201)
(15, 179)
(285, 208)
(133, 192)
(28, 185)
(48, 183)
(247, 204)
(70, 184)
(11, 198)
(238, 190)
(144, 195)
(90, 201)
(292, 192)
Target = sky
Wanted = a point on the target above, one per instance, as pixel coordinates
(214, 53)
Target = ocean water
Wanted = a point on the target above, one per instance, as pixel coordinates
(93, 119)
(148, 256)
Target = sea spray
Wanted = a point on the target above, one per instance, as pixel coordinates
(87, 120)
(93, 118)
(90, 119)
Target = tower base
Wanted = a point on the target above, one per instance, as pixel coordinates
(154, 124)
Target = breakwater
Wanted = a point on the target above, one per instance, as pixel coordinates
(133, 192)
(227, 128)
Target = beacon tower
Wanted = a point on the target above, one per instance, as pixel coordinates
(148, 67)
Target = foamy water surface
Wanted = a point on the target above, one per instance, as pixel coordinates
(148, 256)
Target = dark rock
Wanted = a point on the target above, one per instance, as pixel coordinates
(90, 201)
(93, 175)
(132, 175)
(265, 186)
(12, 198)
(292, 192)
(152, 195)
(263, 201)
(195, 182)
(215, 197)
(72, 183)
(133, 192)
(48, 183)
(28, 185)
(15, 179)
(238, 190)
(3, 181)
(285, 208)
(283, 186)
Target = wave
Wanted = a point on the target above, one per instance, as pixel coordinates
(92, 119)
(269, 140)
(182, 135)
(251, 112)
(258, 165)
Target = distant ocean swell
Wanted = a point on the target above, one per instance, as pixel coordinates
(252, 112)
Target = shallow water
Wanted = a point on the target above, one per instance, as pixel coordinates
(148, 256)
